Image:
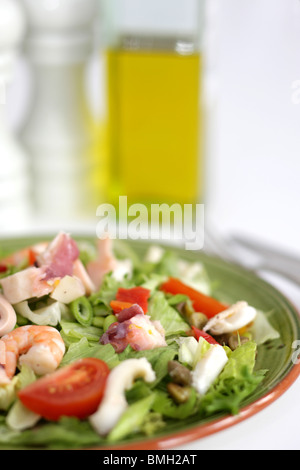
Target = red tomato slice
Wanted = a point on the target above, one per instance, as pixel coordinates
(135, 295)
(75, 390)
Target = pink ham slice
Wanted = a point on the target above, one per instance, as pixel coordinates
(128, 313)
(138, 331)
(54, 262)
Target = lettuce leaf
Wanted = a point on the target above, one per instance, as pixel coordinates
(108, 291)
(244, 355)
(72, 332)
(83, 349)
(164, 405)
(67, 433)
(8, 394)
(171, 320)
(235, 383)
(132, 419)
(262, 330)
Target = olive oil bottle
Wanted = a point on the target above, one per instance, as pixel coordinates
(154, 104)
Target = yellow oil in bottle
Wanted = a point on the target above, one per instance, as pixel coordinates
(155, 126)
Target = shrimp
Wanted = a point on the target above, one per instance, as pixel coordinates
(104, 263)
(40, 347)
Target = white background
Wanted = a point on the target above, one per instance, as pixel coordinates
(254, 166)
(254, 177)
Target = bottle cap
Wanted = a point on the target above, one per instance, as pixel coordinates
(158, 19)
(59, 30)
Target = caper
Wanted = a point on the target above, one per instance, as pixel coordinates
(235, 341)
(223, 339)
(179, 373)
(178, 393)
(188, 310)
(198, 320)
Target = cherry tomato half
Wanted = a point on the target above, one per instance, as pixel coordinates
(74, 390)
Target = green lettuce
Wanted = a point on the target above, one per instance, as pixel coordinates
(132, 419)
(164, 405)
(8, 393)
(235, 383)
(169, 317)
(72, 332)
(66, 433)
(83, 349)
(107, 292)
(262, 330)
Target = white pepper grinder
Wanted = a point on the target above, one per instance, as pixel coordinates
(58, 132)
(14, 171)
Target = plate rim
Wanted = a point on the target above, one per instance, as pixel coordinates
(200, 431)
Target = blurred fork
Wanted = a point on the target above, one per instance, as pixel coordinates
(252, 254)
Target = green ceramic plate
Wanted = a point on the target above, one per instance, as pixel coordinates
(232, 284)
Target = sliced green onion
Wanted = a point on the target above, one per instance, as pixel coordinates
(108, 321)
(82, 311)
(98, 322)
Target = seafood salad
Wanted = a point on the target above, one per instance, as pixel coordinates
(99, 346)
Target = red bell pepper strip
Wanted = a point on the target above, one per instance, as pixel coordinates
(201, 302)
(202, 334)
(3, 268)
(31, 257)
(135, 295)
(118, 306)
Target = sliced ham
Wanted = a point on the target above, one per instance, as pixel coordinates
(54, 262)
(128, 313)
(139, 332)
(58, 259)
